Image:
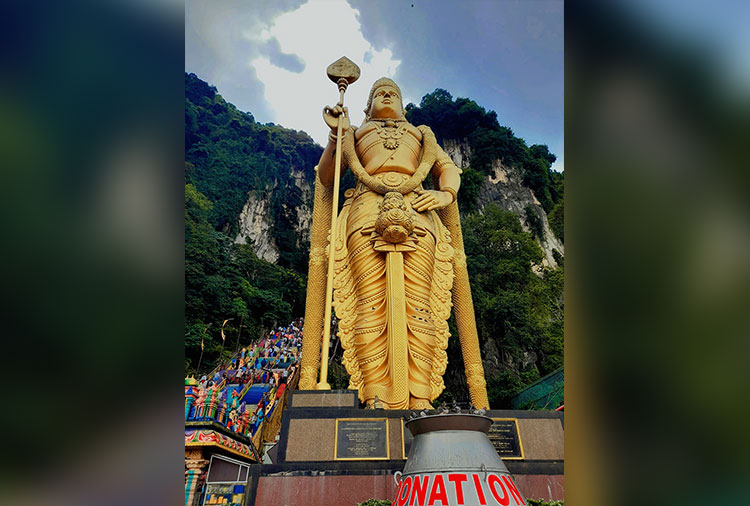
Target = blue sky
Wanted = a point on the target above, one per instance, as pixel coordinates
(269, 58)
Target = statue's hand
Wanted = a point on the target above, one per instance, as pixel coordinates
(431, 199)
(331, 117)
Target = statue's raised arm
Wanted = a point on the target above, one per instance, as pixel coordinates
(326, 163)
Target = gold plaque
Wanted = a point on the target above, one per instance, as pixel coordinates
(506, 438)
(361, 439)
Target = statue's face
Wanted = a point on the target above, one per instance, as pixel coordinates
(386, 103)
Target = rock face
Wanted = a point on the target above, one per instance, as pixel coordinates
(255, 228)
(303, 213)
(505, 188)
(256, 222)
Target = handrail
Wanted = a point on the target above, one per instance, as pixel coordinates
(276, 413)
(246, 389)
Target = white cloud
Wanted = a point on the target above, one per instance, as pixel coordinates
(318, 33)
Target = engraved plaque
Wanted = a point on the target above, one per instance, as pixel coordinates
(505, 438)
(361, 439)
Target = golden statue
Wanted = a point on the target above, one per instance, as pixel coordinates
(398, 263)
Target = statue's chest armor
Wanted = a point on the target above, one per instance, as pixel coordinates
(389, 149)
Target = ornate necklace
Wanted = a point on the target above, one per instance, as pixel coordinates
(390, 131)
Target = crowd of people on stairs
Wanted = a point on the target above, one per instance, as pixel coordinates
(243, 392)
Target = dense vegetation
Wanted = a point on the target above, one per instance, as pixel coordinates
(518, 310)
(228, 155)
(224, 280)
(518, 304)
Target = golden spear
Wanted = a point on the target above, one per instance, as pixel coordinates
(343, 72)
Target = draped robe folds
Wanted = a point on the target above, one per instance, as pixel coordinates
(401, 377)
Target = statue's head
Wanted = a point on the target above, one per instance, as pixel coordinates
(385, 101)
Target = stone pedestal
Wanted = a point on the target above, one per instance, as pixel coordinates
(323, 399)
(310, 468)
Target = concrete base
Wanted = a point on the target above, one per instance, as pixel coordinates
(549, 487)
(323, 490)
(324, 399)
(306, 471)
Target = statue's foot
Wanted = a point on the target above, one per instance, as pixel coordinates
(415, 403)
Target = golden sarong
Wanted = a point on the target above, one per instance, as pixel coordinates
(361, 304)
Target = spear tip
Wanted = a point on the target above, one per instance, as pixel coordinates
(343, 68)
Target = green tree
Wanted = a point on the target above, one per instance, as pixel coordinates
(224, 280)
(518, 310)
(557, 220)
(468, 193)
(462, 118)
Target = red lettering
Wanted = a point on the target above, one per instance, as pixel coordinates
(404, 495)
(419, 490)
(492, 480)
(398, 492)
(438, 491)
(480, 491)
(458, 482)
(513, 490)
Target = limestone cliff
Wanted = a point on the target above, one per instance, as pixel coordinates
(505, 188)
(302, 213)
(256, 222)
